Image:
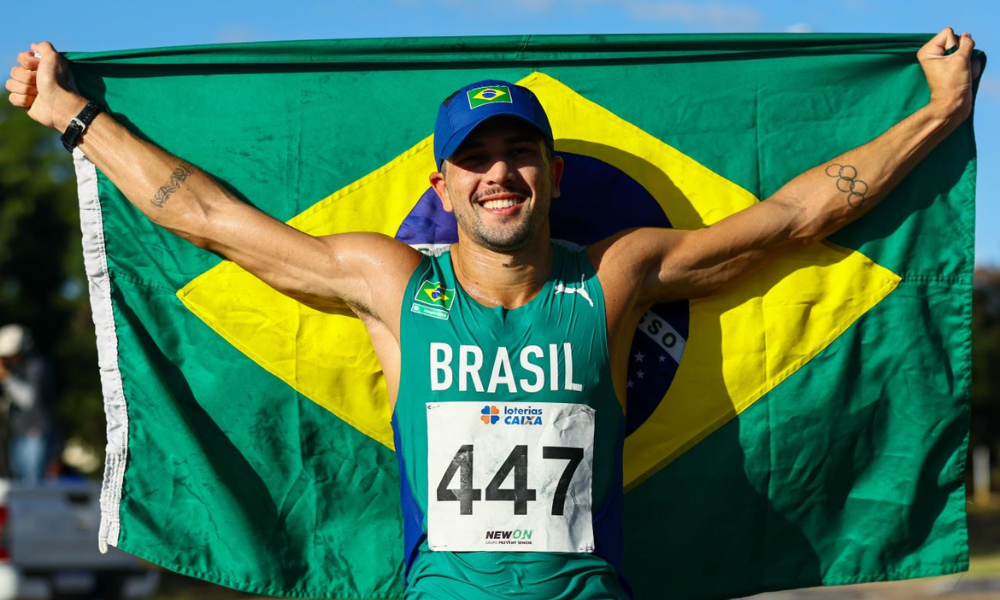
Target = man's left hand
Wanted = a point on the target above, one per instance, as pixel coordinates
(950, 77)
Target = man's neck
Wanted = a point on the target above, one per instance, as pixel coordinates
(508, 279)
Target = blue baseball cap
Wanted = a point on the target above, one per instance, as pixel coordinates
(467, 108)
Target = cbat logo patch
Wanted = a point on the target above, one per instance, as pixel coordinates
(433, 300)
(489, 95)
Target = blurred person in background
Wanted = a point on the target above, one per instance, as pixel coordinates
(28, 385)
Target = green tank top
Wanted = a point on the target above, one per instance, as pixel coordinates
(502, 419)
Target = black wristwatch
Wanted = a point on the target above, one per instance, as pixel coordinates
(71, 137)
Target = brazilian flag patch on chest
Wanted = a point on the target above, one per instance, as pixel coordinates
(433, 300)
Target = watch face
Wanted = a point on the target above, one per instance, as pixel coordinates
(72, 134)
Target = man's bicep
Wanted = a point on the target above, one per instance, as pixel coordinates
(698, 263)
(325, 272)
(358, 270)
(640, 265)
(677, 264)
(369, 272)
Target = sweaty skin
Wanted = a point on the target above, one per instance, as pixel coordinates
(503, 255)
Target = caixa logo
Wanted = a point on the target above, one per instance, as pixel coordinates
(490, 415)
(512, 415)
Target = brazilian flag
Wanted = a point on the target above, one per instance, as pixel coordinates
(807, 426)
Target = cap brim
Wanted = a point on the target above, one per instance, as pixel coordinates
(459, 136)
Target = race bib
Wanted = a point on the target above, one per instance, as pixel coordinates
(510, 477)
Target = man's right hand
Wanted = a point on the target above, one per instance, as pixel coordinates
(365, 271)
(950, 75)
(43, 85)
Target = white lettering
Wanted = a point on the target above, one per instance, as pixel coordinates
(502, 363)
(553, 367)
(660, 331)
(573, 387)
(471, 361)
(468, 369)
(440, 366)
(527, 365)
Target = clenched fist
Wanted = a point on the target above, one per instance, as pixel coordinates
(43, 85)
(950, 77)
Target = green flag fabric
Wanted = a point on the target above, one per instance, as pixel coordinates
(806, 427)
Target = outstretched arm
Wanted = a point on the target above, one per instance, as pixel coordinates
(674, 264)
(321, 271)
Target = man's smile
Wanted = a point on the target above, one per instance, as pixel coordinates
(500, 202)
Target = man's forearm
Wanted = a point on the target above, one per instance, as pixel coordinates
(806, 209)
(837, 192)
(168, 190)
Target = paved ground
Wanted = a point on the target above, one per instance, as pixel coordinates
(952, 587)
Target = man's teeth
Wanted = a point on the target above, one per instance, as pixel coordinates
(491, 204)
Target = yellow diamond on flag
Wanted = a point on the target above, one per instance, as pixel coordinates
(742, 342)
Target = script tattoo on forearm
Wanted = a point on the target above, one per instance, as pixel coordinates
(848, 182)
(173, 184)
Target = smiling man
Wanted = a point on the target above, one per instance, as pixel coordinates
(505, 357)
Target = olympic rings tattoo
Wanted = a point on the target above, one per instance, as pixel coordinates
(848, 183)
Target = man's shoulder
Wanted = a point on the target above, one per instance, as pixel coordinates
(616, 251)
(377, 253)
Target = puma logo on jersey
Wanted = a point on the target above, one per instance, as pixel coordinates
(581, 291)
(540, 366)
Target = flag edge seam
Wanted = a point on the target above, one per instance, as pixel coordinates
(99, 290)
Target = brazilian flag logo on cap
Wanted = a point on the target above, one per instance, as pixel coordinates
(489, 95)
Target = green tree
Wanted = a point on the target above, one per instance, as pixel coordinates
(42, 279)
(986, 364)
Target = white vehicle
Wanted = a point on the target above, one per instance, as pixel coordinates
(48, 546)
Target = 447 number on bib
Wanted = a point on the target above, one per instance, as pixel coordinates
(520, 494)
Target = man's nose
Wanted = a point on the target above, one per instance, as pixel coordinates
(500, 171)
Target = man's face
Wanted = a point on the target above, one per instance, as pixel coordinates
(500, 184)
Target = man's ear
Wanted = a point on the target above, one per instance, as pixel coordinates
(437, 182)
(556, 169)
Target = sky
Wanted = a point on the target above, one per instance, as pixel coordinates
(116, 25)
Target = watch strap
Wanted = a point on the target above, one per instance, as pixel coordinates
(71, 137)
